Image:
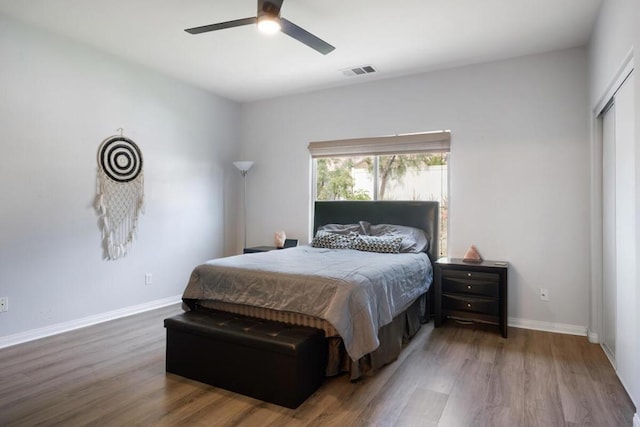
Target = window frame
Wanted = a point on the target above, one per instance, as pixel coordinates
(436, 142)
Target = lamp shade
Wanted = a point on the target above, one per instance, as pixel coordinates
(244, 165)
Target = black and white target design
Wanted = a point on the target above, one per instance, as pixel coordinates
(120, 159)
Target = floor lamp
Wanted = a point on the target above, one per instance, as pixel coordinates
(244, 167)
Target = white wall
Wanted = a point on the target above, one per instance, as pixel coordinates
(519, 183)
(58, 101)
(611, 41)
(616, 30)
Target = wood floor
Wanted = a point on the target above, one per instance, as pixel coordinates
(112, 374)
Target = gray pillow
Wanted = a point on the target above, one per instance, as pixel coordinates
(414, 240)
(343, 228)
(366, 227)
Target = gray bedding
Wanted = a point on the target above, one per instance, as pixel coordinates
(357, 292)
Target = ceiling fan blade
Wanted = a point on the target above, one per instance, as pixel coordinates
(303, 36)
(222, 25)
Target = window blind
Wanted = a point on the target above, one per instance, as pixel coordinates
(427, 142)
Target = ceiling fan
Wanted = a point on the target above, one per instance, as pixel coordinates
(269, 20)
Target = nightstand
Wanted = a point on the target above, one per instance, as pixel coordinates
(470, 291)
(255, 249)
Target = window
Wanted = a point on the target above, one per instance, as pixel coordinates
(407, 167)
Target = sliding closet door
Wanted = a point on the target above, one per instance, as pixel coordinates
(619, 230)
(609, 301)
(625, 230)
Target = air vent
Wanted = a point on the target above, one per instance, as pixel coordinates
(358, 71)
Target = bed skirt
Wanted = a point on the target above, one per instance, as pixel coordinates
(392, 339)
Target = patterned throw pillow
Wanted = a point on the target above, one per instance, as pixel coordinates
(324, 239)
(382, 244)
(414, 240)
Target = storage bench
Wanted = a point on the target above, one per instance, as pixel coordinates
(275, 362)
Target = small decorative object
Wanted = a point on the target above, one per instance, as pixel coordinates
(280, 238)
(472, 255)
(120, 193)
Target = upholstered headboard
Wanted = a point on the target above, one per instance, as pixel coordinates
(423, 215)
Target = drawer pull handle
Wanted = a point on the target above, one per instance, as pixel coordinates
(468, 286)
(468, 305)
(468, 274)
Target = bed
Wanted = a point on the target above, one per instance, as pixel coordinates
(367, 303)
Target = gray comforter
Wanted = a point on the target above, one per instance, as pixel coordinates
(357, 292)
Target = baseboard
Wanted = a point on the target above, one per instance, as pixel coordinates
(593, 337)
(607, 353)
(560, 328)
(636, 420)
(59, 328)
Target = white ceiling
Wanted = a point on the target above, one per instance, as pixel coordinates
(396, 37)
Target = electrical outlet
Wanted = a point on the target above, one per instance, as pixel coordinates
(4, 304)
(544, 294)
(148, 279)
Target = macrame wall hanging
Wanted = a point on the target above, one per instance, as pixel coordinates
(120, 193)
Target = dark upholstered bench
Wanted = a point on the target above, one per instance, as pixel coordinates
(274, 362)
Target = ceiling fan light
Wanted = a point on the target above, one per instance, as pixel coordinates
(269, 24)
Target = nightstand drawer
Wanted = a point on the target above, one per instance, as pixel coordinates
(488, 287)
(472, 304)
(471, 275)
